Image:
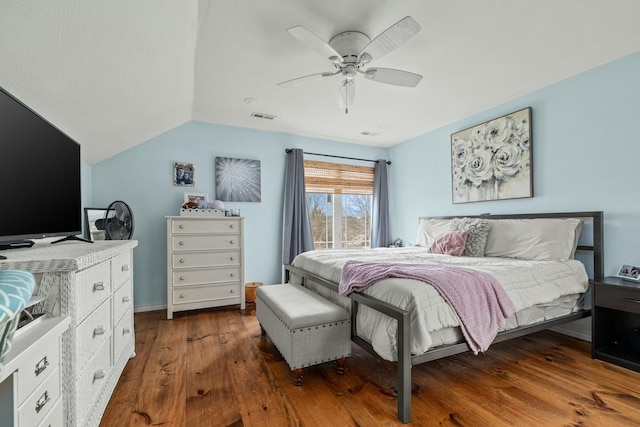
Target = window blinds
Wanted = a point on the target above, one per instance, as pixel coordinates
(337, 178)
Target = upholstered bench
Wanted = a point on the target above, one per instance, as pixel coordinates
(306, 328)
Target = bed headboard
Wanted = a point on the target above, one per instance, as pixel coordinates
(591, 238)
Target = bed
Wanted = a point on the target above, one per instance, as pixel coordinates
(543, 262)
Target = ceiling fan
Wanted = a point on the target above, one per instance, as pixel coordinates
(351, 52)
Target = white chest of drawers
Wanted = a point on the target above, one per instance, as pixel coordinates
(205, 262)
(92, 284)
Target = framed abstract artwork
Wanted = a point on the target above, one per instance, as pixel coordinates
(238, 180)
(493, 160)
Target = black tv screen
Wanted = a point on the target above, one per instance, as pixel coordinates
(40, 194)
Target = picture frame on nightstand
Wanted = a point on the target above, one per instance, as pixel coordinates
(629, 272)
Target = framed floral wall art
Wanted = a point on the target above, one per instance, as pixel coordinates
(492, 160)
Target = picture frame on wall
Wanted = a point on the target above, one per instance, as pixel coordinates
(238, 180)
(493, 160)
(184, 174)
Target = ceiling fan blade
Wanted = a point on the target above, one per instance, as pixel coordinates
(312, 41)
(347, 93)
(305, 79)
(393, 77)
(391, 38)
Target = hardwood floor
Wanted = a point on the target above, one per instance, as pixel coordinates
(213, 368)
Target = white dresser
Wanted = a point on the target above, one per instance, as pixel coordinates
(205, 262)
(92, 284)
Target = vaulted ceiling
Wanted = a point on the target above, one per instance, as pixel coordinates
(113, 74)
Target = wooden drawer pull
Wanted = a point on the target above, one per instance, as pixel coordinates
(630, 300)
(100, 330)
(44, 399)
(98, 286)
(41, 366)
(100, 373)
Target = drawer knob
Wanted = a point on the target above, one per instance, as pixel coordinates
(233, 258)
(125, 267)
(125, 299)
(232, 226)
(44, 399)
(181, 277)
(181, 260)
(232, 291)
(100, 373)
(126, 331)
(100, 330)
(181, 243)
(232, 275)
(181, 226)
(181, 295)
(231, 241)
(98, 286)
(41, 366)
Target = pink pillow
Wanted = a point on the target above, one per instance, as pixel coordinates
(451, 243)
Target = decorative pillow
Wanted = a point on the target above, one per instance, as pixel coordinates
(477, 231)
(429, 229)
(451, 243)
(541, 239)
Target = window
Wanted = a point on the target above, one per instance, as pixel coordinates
(339, 201)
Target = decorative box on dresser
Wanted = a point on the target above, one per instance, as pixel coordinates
(205, 262)
(92, 284)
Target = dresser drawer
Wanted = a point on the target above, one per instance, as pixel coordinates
(122, 300)
(93, 380)
(123, 333)
(93, 287)
(185, 226)
(204, 242)
(36, 407)
(204, 276)
(618, 298)
(205, 293)
(55, 417)
(44, 359)
(205, 259)
(121, 268)
(92, 333)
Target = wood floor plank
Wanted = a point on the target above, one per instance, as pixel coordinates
(214, 368)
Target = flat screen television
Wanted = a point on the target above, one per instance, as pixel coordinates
(40, 194)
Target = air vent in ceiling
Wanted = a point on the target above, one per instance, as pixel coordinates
(263, 116)
(367, 133)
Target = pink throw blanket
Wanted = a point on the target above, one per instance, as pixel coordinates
(480, 302)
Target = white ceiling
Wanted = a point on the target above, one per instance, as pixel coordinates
(113, 74)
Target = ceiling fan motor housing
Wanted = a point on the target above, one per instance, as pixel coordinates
(349, 44)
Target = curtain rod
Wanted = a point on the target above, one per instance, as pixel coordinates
(288, 150)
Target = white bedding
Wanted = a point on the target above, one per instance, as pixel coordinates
(528, 284)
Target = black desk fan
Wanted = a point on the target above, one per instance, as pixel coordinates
(117, 222)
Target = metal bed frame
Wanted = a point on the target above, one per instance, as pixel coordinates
(406, 360)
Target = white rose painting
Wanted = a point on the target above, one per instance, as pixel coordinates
(238, 180)
(492, 161)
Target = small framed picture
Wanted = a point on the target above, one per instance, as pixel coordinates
(200, 199)
(630, 272)
(184, 174)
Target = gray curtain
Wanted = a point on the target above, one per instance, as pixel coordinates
(380, 207)
(297, 236)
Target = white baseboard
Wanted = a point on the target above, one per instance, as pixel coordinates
(142, 308)
(580, 329)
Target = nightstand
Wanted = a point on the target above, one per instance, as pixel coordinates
(616, 322)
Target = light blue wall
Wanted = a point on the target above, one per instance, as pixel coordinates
(586, 147)
(143, 177)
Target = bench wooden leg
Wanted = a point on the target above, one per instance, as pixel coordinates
(342, 365)
(297, 376)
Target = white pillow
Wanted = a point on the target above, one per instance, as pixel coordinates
(429, 229)
(541, 239)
